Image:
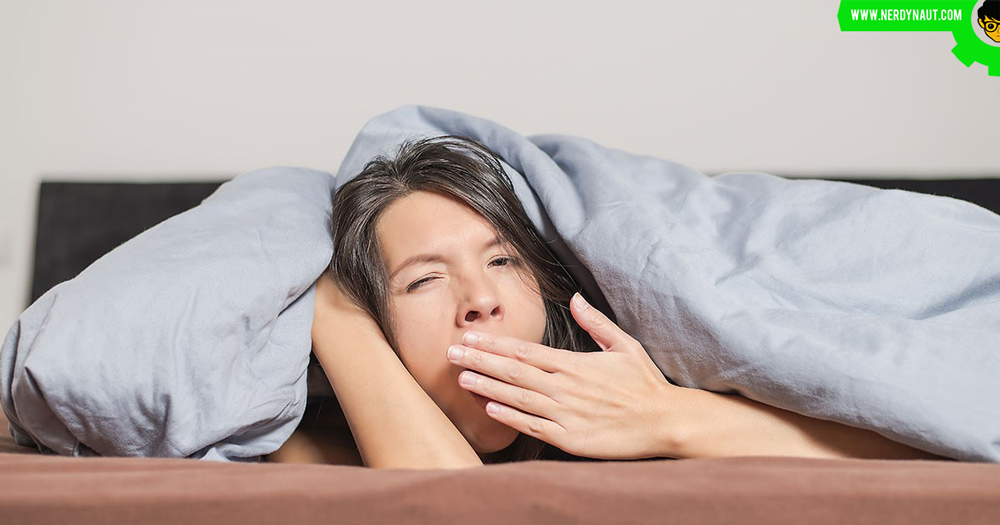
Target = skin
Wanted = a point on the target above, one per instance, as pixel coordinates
(615, 404)
(471, 287)
(995, 34)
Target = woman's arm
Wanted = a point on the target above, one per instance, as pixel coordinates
(716, 424)
(394, 422)
(617, 404)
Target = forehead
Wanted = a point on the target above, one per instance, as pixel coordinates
(425, 221)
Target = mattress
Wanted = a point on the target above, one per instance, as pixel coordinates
(39, 489)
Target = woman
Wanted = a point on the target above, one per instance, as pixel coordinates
(432, 246)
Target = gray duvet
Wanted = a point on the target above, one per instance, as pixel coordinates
(875, 308)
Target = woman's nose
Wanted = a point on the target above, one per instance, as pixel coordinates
(494, 313)
(482, 303)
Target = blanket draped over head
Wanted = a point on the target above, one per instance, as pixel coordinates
(878, 309)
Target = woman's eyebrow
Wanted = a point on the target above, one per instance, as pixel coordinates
(434, 257)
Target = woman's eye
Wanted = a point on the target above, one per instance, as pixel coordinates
(417, 284)
(507, 260)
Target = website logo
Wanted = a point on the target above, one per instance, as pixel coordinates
(974, 24)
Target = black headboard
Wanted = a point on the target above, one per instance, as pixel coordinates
(78, 222)
(985, 191)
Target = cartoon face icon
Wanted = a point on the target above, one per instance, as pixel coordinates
(992, 28)
(989, 19)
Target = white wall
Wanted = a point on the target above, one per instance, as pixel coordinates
(187, 89)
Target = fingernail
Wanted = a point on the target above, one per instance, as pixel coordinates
(581, 303)
(470, 338)
(466, 378)
(455, 353)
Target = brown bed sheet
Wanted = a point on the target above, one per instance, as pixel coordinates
(41, 489)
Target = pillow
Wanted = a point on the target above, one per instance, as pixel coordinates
(190, 340)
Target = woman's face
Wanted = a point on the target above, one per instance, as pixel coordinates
(460, 280)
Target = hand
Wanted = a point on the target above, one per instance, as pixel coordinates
(614, 404)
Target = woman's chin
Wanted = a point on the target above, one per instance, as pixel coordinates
(494, 440)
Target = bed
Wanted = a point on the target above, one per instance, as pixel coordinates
(79, 221)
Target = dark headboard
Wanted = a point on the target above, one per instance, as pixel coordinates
(985, 191)
(78, 222)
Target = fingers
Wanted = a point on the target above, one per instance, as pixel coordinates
(514, 396)
(541, 428)
(604, 332)
(536, 355)
(501, 367)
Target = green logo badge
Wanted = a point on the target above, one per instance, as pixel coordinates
(975, 25)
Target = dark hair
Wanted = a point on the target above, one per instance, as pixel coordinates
(990, 8)
(464, 169)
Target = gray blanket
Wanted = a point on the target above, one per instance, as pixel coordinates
(876, 308)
